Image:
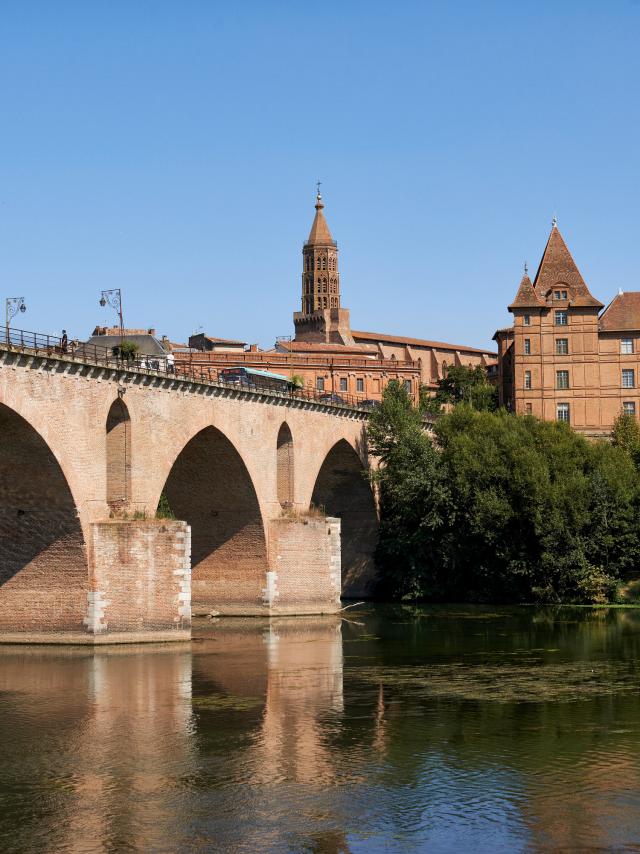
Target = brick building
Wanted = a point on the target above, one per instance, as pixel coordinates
(565, 357)
(326, 352)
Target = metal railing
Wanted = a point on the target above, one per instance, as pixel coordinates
(56, 346)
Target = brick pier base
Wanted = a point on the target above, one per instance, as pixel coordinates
(139, 588)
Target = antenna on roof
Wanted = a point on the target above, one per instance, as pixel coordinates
(318, 183)
(526, 268)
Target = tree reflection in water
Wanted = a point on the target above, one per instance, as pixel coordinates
(400, 728)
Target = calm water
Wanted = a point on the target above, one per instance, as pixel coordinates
(401, 729)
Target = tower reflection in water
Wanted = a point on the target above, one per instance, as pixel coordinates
(202, 747)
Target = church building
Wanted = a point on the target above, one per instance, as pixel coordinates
(326, 353)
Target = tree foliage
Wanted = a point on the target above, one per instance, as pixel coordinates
(461, 384)
(499, 507)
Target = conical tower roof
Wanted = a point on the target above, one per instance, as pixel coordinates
(558, 268)
(526, 296)
(319, 234)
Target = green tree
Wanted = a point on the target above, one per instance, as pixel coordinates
(502, 508)
(128, 349)
(461, 384)
(626, 435)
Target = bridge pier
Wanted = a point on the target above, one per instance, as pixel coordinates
(138, 590)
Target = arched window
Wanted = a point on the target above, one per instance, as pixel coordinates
(118, 454)
(317, 264)
(324, 299)
(324, 263)
(284, 453)
(324, 285)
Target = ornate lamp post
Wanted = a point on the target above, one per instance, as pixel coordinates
(13, 305)
(114, 299)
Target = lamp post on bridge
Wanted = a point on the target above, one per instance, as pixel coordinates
(114, 299)
(13, 305)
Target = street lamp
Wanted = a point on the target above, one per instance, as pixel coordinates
(114, 299)
(13, 305)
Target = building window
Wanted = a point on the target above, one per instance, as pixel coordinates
(561, 318)
(527, 408)
(526, 320)
(320, 383)
(407, 386)
(629, 407)
(527, 346)
(563, 412)
(562, 346)
(343, 384)
(562, 379)
(324, 263)
(527, 379)
(359, 385)
(628, 378)
(626, 346)
(559, 294)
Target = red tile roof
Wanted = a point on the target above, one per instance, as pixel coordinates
(558, 268)
(417, 342)
(526, 296)
(622, 314)
(313, 347)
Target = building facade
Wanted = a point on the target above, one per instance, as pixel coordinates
(565, 358)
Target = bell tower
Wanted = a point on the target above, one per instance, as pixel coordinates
(321, 318)
(320, 276)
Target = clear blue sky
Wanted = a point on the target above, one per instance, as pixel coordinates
(172, 148)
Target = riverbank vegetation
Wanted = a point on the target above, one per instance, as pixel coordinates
(503, 508)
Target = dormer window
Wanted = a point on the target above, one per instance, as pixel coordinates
(559, 294)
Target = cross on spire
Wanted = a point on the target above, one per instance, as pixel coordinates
(318, 183)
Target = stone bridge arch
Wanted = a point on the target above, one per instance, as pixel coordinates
(209, 487)
(43, 557)
(342, 488)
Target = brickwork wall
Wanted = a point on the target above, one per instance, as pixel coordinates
(43, 566)
(304, 560)
(118, 454)
(285, 472)
(210, 488)
(343, 490)
(226, 486)
(140, 576)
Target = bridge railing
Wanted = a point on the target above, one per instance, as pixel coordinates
(53, 345)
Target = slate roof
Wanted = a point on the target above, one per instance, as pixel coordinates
(148, 345)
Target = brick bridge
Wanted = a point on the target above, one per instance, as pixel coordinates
(88, 451)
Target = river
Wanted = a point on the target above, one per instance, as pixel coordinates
(394, 729)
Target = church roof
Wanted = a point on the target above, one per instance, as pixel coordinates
(320, 234)
(622, 314)
(526, 296)
(416, 342)
(557, 267)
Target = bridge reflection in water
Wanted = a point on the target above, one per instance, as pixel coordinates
(402, 729)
